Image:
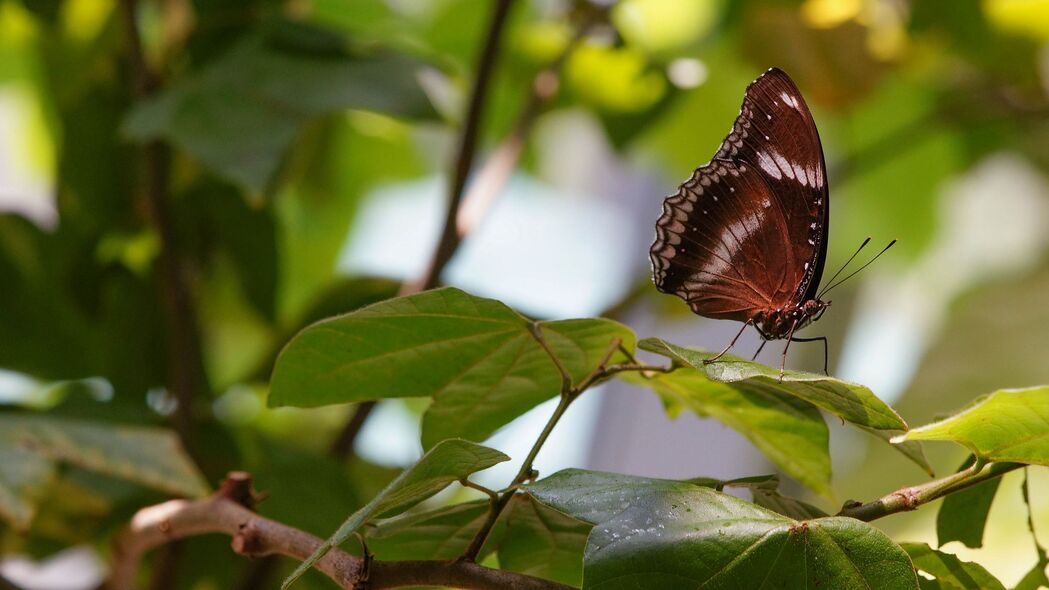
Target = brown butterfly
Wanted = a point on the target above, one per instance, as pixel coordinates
(745, 238)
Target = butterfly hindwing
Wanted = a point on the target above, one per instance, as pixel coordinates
(747, 232)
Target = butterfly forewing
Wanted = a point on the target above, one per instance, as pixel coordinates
(747, 232)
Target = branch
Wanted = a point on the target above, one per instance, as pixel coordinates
(466, 208)
(185, 365)
(256, 536)
(342, 447)
(450, 238)
(911, 498)
(569, 393)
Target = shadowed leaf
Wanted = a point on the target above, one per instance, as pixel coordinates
(652, 533)
(445, 463)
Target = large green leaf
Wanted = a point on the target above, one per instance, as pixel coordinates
(520, 376)
(239, 115)
(442, 533)
(447, 462)
(849, 401)
(1007, 425)
(542, 542)
(789, 431)
(23, 478)
(149, 456)
(482, 362)
(950, 571)
(963, 515)
(651, 533)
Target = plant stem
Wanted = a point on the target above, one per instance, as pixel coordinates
(255, 536)
(342, 446)
(450, 237)
(569, 393)
(185, 364)
(911, 498)
(523, 474)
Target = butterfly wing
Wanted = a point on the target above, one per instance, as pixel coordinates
(748, 231)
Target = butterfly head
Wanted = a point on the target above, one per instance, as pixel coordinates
(778, 324)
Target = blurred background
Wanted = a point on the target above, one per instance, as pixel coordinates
(284, 161)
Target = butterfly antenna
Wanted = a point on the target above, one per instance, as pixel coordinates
(844, 266)
(852, 274)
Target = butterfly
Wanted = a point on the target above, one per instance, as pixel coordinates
(745, 237)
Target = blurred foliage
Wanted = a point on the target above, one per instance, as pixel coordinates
(283, 116)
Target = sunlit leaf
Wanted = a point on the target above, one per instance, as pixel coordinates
(482, 362)
(848, 401)
(447, 462)
(149, 456)
(651, 533)
(949, 570)
(789, 431)
(520, 377)
(1007, 425)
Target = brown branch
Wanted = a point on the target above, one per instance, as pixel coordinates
(910, 498)
(342, 446)
(184, 364)
(450, 238)
(255, 536)
(466, 207)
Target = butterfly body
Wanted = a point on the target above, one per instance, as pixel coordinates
(745, 237)
(776, 324)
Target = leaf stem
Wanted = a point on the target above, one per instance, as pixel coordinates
(1042, 555)
(450, 237)
(523, 474)
(569, 393)
(911, 498)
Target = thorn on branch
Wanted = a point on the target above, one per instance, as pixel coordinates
(237, 488)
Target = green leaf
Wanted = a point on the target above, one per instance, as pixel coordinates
(849, 401)
(481, 361)
(519, 377)
(651, 533)
(240, 114)
(24, 476)
(542, 542)
(447, 462)
(949, 570)
(1009, 425)
(1035, 578)
(149, 456)
(442, 533)
(963, 514)
(789, 431)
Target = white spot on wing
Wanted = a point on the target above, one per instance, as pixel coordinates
(789, 100)
(766, 164)
(784, 165)
(799, 173)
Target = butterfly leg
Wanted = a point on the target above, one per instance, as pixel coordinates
(820, 338)
(730, 345)
(760, 348)
(783, 360)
